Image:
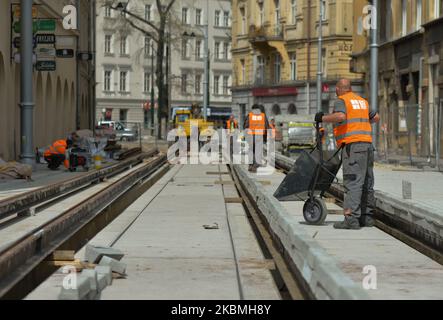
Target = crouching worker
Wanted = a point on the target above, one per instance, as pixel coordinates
(55, 155)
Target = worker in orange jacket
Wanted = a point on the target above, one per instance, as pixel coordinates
(352, 119)
(55, 155)
(256, 125)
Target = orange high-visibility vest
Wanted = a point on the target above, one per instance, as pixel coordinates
(58, 147)
(257, 124)
(357, 126)
(228, 124)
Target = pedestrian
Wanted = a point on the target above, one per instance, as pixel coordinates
(352, 120)
(256, 125)
(232, 127)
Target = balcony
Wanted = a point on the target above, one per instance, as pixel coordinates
(265, 33)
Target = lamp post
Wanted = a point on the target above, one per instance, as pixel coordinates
(152, 91)
(320, 58)
(374, 69)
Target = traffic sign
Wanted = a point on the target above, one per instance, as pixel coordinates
(38, 25)
(46, 66)
(45, 52)
(17, 42)
(84, 56)
(45, 38)
(65, 53)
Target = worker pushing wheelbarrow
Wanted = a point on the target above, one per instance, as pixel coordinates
(310, 178)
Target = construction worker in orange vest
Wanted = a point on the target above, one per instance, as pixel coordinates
(352, 120)
(55, 155)
(232, 124)
(256, 125)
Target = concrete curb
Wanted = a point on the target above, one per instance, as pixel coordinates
(319, 270)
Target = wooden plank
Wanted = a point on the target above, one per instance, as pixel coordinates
(233, 200)
(62, 255)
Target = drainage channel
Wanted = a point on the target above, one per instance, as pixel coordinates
(285, 275)
(22, 263)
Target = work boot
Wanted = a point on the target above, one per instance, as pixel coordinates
(350, 223)
(366, 221)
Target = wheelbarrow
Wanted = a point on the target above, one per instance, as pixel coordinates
(310, 178)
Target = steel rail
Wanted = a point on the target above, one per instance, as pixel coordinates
(25, 201)
(20, 258)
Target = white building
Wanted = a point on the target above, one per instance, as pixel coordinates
(124, 59)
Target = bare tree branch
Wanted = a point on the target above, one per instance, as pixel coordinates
(153, 26)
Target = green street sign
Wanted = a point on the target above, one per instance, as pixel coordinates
(38, 25)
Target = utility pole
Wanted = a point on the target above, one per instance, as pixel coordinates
(320, 62)
(374, 68)
(206, 75)
(26, 70)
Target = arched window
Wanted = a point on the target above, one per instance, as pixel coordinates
(276, 109)
(292, 109)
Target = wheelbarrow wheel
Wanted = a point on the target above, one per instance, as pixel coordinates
(315, 211)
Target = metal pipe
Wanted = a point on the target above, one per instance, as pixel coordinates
(319, 57)
(206, 75)
(374, 69)
(152, 91)
(308, 86)
(26, 75)
(94, 62)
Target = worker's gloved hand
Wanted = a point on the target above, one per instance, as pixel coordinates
(319, 117)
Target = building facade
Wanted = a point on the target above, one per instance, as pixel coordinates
(410, 75)
(64, 97)
(124, 64)
(275, 45)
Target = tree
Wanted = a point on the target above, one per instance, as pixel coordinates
(157, 31)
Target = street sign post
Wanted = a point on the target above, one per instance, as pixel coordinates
(38, 25)
(18, 12)
(45, 38)
(17, 42)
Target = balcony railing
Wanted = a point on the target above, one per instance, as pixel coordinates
(266, 32)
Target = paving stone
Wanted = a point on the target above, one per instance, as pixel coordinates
(93, 254)
(80, 292)
(116, 266)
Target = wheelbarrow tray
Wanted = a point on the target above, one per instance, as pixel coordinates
(301, 179)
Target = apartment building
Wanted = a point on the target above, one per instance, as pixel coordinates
(410, 73)
(124, 59)
(63, 97)
(274, 48)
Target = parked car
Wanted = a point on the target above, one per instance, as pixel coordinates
(122, 131)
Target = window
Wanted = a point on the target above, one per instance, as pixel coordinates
(437, 8)
(292, 109)
(226, 50)
(276, 109)
(277, 68)
(226, 85)
(148, 15)
(216, 84)
(243, 71)
(217, 50)
(185, 49)
(198, 84)
(198, 17)
(217, 18)
(147, 82)
(419, 14)
(199, 49)
(123, 81)
(108, 12)
(293, 66)
(277, 12)
(108, 44)
(294, 11)
(324, 62)
(243, 20)
(404, 17)
(107, 81)
(123, 115)
(261, 13)
(184, 83)
(260, 69)
(124, 45)
(226, 19)
(148, 47)
(388, 20)
(324, 8)
(185, 17)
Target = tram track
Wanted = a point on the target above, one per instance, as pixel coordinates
(22, 261)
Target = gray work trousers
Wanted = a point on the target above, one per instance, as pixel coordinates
(358, 178)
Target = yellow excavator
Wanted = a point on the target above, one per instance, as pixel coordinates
(185, 119)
